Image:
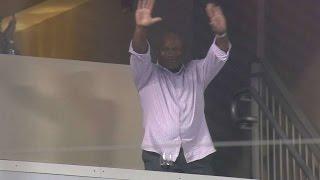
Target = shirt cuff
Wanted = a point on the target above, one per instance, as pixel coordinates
(221, 55)
(131, 51)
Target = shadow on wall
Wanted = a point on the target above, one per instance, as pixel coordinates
(78, 117)
(73, 112)
(307, 91)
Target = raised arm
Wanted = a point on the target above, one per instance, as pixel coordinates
(144, 19)
(218, 53)
(218, 25)
(140, 59)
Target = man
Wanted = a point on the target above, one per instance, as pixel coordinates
(176, 136)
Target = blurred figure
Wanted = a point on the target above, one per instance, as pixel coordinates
(7, 45)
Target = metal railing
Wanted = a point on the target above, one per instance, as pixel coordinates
(286, 145)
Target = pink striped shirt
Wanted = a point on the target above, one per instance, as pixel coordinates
(173, 104)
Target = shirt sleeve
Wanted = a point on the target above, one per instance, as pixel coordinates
(210, 66)
(141, 66)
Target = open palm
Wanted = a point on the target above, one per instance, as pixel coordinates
(144, 13)
(216, 18)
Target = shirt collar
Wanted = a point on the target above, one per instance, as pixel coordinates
(164, 68)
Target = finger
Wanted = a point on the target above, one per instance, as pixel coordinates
(213, 10)
(139, 6)
(218, 10)
(144, 3)
(209, 9)
(155, 20)
(151, 4)
(217, 20)
(212, 5)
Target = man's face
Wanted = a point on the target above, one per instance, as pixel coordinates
(171, 52)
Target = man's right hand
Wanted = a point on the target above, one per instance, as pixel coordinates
(144, 13)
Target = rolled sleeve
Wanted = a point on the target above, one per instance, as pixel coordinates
(220, 54)
(141, 66)
(211, 65)
(145, 56)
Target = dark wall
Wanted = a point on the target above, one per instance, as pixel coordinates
(293, 43)
(9, 7)
(292, 36)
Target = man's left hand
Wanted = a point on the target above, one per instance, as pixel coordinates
(216, 18)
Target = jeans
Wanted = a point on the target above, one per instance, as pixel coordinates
(202, 167)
